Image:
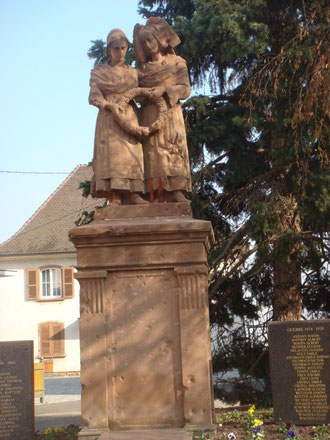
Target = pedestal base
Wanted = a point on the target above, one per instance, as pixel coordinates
(90, 434)
(144, 326)
(144, 434)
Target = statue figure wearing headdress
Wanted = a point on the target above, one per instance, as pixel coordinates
(118, 157)
(159, 68)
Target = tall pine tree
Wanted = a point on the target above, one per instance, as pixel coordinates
(264, 125)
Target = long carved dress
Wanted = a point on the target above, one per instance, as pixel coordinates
(118, 156)
(166, 151)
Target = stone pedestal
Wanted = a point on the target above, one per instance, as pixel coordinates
(144, 325)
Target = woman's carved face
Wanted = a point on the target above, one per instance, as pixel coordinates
(150, 44)
(117, 51)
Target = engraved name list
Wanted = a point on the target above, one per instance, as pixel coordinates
(300, 371)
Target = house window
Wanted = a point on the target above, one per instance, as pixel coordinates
(49, 283)
(51, 339)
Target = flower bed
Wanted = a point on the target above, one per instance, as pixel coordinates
(69, 432)
(247, 423)
(240, 423)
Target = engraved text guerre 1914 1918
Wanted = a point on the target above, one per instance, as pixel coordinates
(300, 365)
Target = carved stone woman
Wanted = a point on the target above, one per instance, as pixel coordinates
(165, 152)
(118, 157)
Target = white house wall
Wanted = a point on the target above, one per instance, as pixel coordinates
(19, 318)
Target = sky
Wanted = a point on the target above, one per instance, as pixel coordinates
(46, 123)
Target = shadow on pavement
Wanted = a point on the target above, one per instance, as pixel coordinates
(54, 415)
(43, 422)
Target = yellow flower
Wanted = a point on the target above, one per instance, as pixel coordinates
(48, 431)
(58, 429)
(251, 410)
(258, 422)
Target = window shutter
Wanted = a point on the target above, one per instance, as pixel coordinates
(67, 282)
(32, 284)
(51, 339)
(45, 344)
(58, 339)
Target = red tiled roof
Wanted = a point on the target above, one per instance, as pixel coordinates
(46, 232)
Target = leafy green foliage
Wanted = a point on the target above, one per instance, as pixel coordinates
(322, 432)
(86, 188)
(98, 52)
(86, 216)
(165, 9)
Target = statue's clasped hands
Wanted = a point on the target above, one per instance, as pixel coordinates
(157, 92)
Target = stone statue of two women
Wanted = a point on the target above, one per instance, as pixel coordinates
(127, 166)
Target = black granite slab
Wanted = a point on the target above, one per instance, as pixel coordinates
(16, 391)
(300, 371)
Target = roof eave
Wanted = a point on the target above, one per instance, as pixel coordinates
(57, 255)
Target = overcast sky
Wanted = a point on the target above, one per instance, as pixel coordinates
(46, 123)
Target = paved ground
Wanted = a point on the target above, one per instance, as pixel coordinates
(61, 405)
(51, 415)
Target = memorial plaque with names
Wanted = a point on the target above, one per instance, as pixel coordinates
(16, 391)
(300, 371)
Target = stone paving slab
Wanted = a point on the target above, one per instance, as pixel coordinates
(154, 434)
